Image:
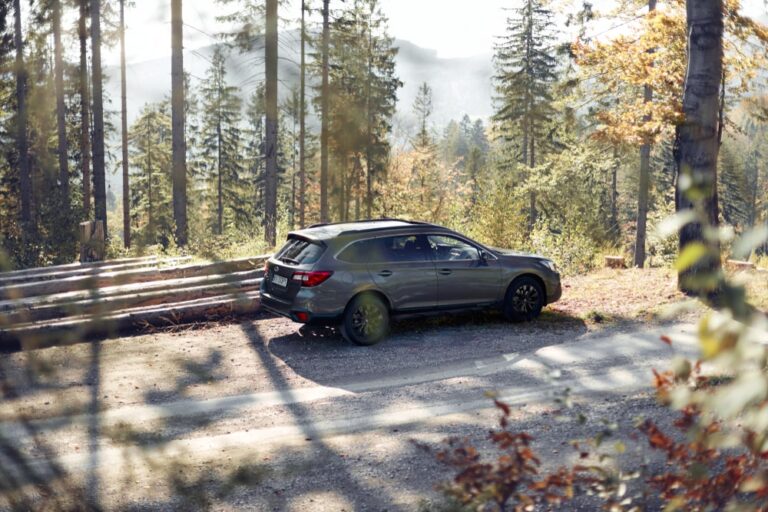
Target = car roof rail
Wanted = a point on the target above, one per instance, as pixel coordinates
(362, 221)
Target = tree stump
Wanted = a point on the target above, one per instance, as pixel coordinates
(92, 241)
(615, 262)
(739, 265)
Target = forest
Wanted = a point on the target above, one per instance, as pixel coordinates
(577, 160)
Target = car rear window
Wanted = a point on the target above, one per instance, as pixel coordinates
(299, 251)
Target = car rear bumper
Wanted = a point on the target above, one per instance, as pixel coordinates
(293, 310)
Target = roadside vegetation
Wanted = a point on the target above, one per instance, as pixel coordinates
(639, 131)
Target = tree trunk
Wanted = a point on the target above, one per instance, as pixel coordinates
(270, 97)
(533, 213)
(61, 126)
(150, 222)
(369, 129)
(179, 145)
(99, 182)
(645, 179)
(324, 92)
(85, 115)
(124, 127)
(615, 194)
(220, 192)
(697, 144)
(302, 122)
(22, 143)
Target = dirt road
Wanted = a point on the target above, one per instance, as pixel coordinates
(263, 416)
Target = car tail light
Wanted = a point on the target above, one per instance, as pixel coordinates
(314, 278)
(301, 316)
(266, 267)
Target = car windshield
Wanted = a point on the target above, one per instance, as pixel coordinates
(298, 251)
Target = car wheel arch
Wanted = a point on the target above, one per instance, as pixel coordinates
(370, 291)
(531, 275)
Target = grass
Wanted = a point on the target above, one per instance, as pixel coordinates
(610, 295)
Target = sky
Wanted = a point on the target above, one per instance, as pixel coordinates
(455, 28)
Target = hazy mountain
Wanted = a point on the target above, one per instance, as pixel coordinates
(461, 86)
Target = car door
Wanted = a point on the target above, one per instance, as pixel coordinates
(463, 277)
(402, 267)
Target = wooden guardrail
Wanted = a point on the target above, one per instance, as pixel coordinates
(72, 303)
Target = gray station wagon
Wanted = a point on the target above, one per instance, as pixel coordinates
(357, 275)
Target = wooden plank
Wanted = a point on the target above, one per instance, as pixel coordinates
(128, 289)
(101, 279)
(108, 305)
(82, 329)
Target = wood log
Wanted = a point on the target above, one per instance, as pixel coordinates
(739, 265)
(128, 289)
(92, 241)
(60, 274)
(615, 262)
(98, 279)
(75, 265)
(81, 329)
(109, 305)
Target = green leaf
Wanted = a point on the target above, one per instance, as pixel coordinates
(749, 240)
(674, 223)
(690, 256)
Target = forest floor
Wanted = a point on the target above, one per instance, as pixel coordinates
(263, 415)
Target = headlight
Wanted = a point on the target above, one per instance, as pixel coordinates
(550, 265)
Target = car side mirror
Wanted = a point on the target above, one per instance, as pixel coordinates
(483, 255)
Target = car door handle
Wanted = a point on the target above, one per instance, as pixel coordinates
(385, 273)
(445, 271)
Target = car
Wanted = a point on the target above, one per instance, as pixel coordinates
(357, 276)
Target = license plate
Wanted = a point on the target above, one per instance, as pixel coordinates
(280, 280)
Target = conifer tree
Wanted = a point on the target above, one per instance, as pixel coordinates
(22, 142)
(177, 113)
(99, 177)
(222, 144)
(124, 134)
(525, 67)
(61, 130)
(150, 145)
(270, 98)
(85, 108)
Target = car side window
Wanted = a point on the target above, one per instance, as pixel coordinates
(448, 248)
(387, 249)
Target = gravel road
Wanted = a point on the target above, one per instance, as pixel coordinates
(263, 415)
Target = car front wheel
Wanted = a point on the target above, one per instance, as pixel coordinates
(524, 299)
(366, 320)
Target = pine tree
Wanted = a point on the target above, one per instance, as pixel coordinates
(177, 112)
(422, 107)
(61, 129)
(271, 142)
(85, 110)
(150, 144)
(124, 134)
(22, 143)
(222, 147)
(99, 177)
(526, 70)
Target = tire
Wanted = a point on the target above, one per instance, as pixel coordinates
(524, 300)
(366, 320)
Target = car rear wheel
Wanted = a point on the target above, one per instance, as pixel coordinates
(366, 320)
(524, 300)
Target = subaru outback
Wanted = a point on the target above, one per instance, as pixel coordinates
(359, 275)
